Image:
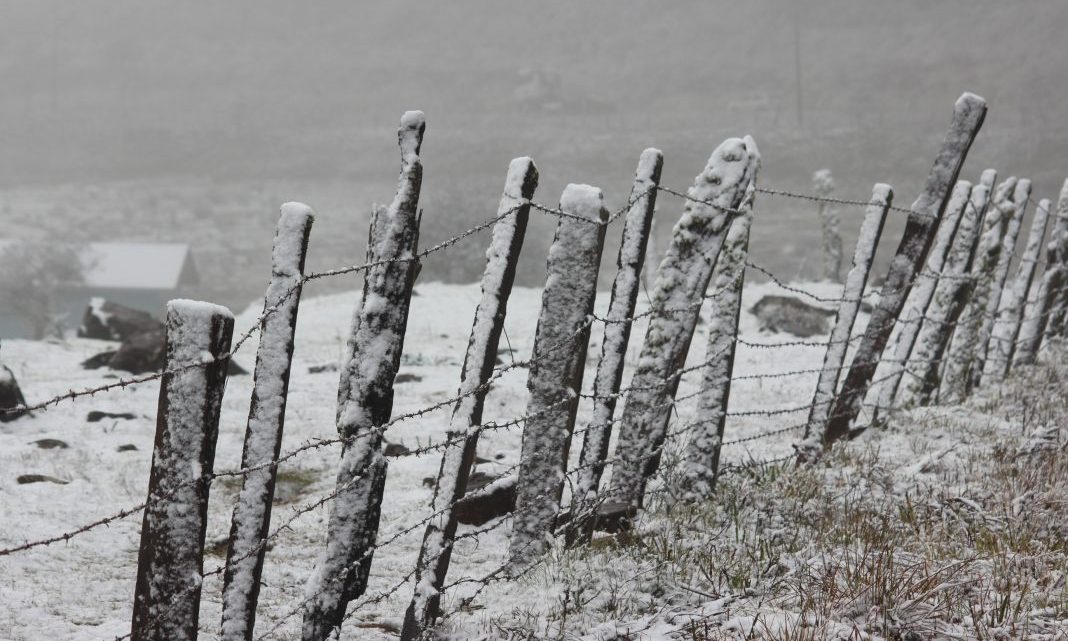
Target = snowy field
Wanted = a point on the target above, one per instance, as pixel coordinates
(83, 589)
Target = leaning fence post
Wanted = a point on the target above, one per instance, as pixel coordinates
(629, 263)
(700, 464)
(1011, 309)
(171, 559)
(718, 195)
(556, 368)
(871, 231)
(502, 257)
(1020, 194)
(376, 345)
(1033, 327)
(263, 435)
(1059, 304)
(968, 115)
(961, 356)
(919, 299)
(952, 292)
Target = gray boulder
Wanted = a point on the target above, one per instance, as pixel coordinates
(792, 316)
(105, 320)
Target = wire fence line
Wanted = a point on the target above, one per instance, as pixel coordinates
(125, 383)
(668, 380)
(450, 401)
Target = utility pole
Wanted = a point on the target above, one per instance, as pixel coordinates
(797, 65)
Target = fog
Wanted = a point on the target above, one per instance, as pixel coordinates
(192, 122)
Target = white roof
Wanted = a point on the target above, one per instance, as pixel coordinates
(132, 265)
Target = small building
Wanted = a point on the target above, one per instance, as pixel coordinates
(139, 275)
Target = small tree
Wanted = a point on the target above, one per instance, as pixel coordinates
(31, 276)
(823, 185)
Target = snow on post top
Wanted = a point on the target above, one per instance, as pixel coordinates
(882, 193)
(1022, 192)
(292, 229)
(585, 201)
(731, 167)
(517, 176)
(410, 134)
(970, 100)
(648, 160)
(189, 329)
(988, 177)
(193, 310)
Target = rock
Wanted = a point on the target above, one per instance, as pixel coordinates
(792, 315)
(10, 396)
(100, 360)
(395, 450)
(27, 479)
(495, 497)
(407, 378)
(140, 354)
(110, 321)
(320, 369)
(129, 447)
(612, 517)
(50, 444)
(96, 416)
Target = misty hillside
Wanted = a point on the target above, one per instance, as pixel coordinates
(208, 117)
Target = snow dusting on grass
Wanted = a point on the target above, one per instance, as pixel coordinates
(951, 524)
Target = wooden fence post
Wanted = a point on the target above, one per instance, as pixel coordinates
(1059, 304)
(631, 259)
(1010, 310)
(376, 345)
(700, 465)
(263, 435)
(556, 369)
(1020, 195)
(171, 559)
(502, 257)
(1033, 327)
(968, 115)
(718, 195)
(961, 356)
(871, 231)
(951, 294)
(919, 299)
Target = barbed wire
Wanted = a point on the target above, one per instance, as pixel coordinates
(489, 426)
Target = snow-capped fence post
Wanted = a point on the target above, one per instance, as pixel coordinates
(557, 361)
(502, 258)
(700, 463)
(962, 356)
(927, 210)
(171, 559)
(263, 434)
(952, 292)
(1021, 193)
(372, 361)
(919, 299)
(631, 259)
(719, 194)
(1013, 301)
(1059, 303)
(823, 187)
(1033, 327)
(871, 231)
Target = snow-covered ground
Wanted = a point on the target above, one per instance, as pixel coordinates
(82, 589)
